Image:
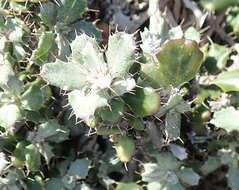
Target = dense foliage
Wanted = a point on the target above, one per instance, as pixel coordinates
(160, 113)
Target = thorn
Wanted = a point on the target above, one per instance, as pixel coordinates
(47, 84)
(125, 166)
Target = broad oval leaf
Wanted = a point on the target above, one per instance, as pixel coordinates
(177, 63)
(143, 102)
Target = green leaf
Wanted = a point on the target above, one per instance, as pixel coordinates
(44, 48)
(114, 112)
(174, 70)
(79, 168)
(136, 123)
(62, 42)
(210, 165)
(71, 10)
(175, 33)
(173, 125)
(167, 161)
(143, 101)
(69, 181)
(218, 55)
(232, 178)
(125, 148)
(188, 176)
(46, 151)
(87, 28)
(192, 34)
(67, 76)
(120, 53)
(33, 159)
(35, 96)
(153, 172)
(128, 186)
(228, 81)
(54, 184)
(232, 20)
(18, 158)
(8, 80)
(9, 115)
(48, 13)
(51, 131)
(227, 118)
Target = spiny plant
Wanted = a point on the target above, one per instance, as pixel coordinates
(104, 93)
(94, 79)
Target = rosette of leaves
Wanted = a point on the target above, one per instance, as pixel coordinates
(64, 21)
(94, 79)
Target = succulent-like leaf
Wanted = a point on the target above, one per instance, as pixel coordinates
(232, 177)
(45, 45)
(49, 130)
(46, 151)
(173, 125)
(32, 156)
(210, 165)
(8, 80)
(112, 113)
(85, 50)
(48, 13)
(120, 53)
(79, 168)
(228, 81)
(64, 75)
(84, 104)
(143, 102)
(188, 176)
(128, 186)
(34, 97)
(136, 123)
(125, 148)
(71, 10)
(232, 20)
(9, 115)
(54, 184)
(192, 34)
(217, 57)
(178, 62)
